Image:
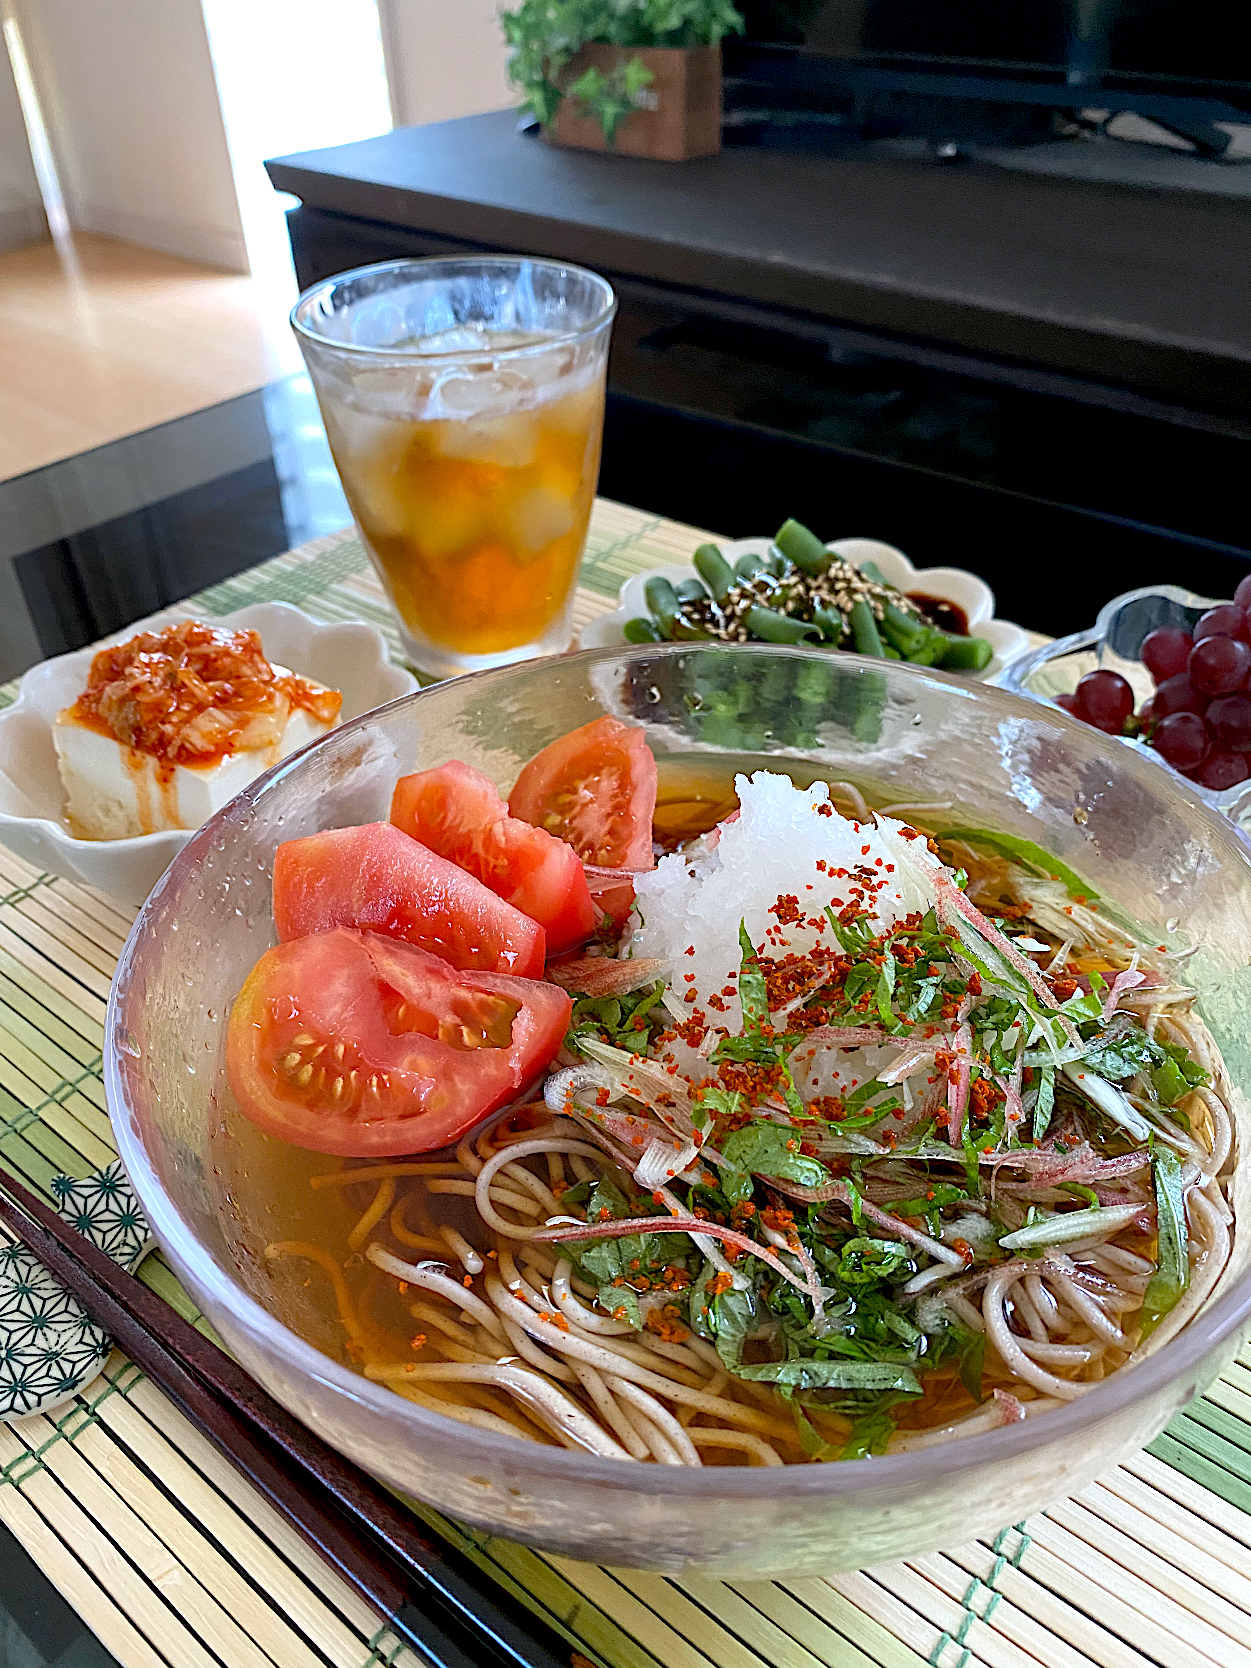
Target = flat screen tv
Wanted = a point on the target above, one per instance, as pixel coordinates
(1167, 54)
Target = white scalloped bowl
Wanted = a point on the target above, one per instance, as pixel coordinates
(955, 585)
(350, 657)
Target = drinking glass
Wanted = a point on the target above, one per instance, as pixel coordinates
(464, 403)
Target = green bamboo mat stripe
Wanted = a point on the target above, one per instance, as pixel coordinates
(150, 1534)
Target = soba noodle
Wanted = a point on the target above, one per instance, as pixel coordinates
(1002, 1277)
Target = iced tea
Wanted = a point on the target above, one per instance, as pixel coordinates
(464, 402)
(475, 506)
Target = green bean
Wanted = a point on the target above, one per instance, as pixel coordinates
(833, 624)
(751, 565)
(891, 652)
(966, 654)
(771, 627)
(930, 650)
(662, 600)
(872, 572)
(692, 590)
(776, 686)
(812, 683)
(721, 703)
(864, 631)
(917, 641)
(870, 702)
(714, 570)
(641, 630)
(905, 631)
(803, 548)
(718, 730)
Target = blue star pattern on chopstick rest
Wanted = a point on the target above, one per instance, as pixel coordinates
(105, 1210)
(49, 1349)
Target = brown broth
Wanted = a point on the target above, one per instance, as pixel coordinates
(264, 1192)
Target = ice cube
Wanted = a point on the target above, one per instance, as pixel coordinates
(506, 442)
(504, 339)
(543, 369)
(452, 524)
(538, 518)
(372, 454)
(483, 424)
(461, 338)
(575, 407)
(355, 433)
(469, 393)
(398, 393)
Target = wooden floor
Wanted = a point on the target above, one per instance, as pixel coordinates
(104, 339)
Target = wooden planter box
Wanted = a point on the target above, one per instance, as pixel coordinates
(679, 114)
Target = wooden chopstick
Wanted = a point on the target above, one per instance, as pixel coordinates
(430, 1595)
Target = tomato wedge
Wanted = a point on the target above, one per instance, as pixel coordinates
(380, 880)
(364, 1046)
(458, 813)
(596, 789)
(612, 892)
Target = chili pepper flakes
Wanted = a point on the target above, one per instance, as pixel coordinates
(666, 1324)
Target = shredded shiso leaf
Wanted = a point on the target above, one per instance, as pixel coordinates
(870, 1101)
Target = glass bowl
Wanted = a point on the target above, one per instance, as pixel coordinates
(1128, 826)
(1114, 642)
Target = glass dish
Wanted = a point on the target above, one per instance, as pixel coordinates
(1114, 641)
(901, 731)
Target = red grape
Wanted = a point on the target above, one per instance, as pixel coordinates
(1070, 703)
(1222, 770)
(1242, 596)
(1106, 700)
(1227, 619)
(1218, 664)
(1177, 694)
(1165, 652)
(1229, 718)
(1182, 738)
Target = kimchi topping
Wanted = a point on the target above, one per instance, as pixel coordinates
(193, 693)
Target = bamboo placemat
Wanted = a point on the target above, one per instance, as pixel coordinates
(176, 1563)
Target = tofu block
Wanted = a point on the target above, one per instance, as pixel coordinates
(115, 792)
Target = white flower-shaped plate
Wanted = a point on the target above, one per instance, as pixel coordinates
(350, 657)
(954, 585)
(50, 1349)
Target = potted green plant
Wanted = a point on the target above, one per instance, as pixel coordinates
(642, 77)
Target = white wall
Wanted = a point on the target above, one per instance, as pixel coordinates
(445, 58)
(21, 208)
(132, 110)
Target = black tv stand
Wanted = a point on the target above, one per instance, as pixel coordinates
(1035, 364)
